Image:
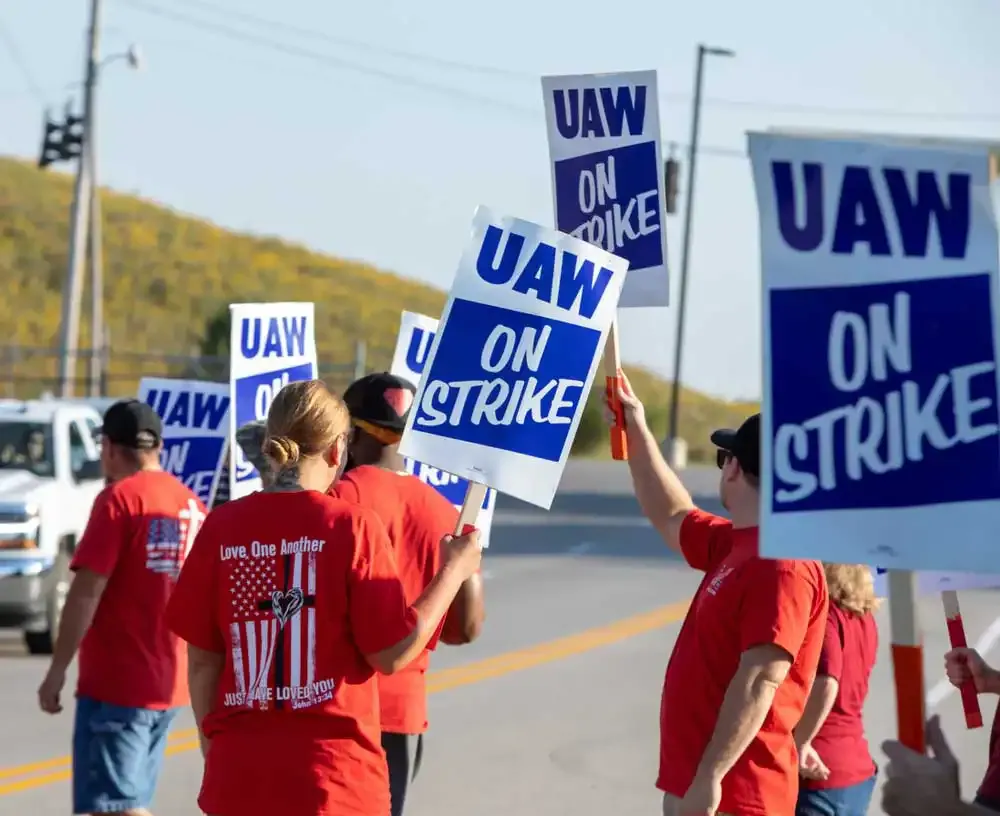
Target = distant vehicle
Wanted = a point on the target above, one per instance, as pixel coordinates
(50, 474)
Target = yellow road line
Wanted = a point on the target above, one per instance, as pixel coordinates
(50, 771)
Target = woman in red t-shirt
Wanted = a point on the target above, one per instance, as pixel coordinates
(836, 767)
(289, 601)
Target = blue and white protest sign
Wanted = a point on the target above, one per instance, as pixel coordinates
(195, 419)
(880, 440)
(607, 172)
(931, 583)
(517, 348)
(413, 345)
(272, 344)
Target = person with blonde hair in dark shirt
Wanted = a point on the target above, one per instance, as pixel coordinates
(835, 765)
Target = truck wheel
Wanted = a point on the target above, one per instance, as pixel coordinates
(42, 642)
(38, 643)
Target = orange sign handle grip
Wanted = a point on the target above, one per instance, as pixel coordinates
(619, 441)
(908, 672)
(970, 697)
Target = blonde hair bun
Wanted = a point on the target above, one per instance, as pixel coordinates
(281, 450)
(305, 420)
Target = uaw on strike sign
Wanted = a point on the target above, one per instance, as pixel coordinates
(195, 417)
(271, 345)
(604, 146)
(519, 342)
(880, 425)
(413, 347)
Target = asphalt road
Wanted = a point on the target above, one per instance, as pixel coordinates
(555, 709)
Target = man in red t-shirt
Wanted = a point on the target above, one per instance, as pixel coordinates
(416, 517)
(132, 672)
(746, 655)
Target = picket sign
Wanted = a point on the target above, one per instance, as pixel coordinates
(271, 345)
(413, 346)
(874, 513)
(515, 355)
(608, 190)
(195, 417)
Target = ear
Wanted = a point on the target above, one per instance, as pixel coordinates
(731, 470)
(338, 450)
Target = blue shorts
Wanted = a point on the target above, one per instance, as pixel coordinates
(117, 755)
(853, 800)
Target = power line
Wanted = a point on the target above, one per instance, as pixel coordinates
(317, 56)
(15, 54)
(311, 33)
(717, 102)
(337, 62)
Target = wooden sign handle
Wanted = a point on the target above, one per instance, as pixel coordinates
(907, 659)
(475, 495)
(613, 382)
(956, 634)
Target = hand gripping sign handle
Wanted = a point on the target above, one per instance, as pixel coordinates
(613, 382)
(475, 495)
(907, 659)
(956, 633)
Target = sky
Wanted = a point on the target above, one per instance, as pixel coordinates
(372, 131)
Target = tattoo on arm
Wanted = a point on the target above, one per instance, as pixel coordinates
(285, 479)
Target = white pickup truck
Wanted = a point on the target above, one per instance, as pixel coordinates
(50, 474)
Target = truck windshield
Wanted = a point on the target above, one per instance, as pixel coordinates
(26, 446)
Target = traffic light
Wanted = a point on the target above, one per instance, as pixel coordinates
(61, 141)
(51, 143)
(671, 172)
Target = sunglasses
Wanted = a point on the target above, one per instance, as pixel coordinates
(721, 457)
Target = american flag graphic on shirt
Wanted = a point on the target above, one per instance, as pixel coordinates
(273, 629)
(169, 539)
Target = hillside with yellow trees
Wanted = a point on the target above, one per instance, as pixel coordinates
(169, 277)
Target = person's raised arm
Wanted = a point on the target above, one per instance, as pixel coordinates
(663, 498)
(389, 634)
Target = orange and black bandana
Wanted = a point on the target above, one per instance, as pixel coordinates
(383, 435)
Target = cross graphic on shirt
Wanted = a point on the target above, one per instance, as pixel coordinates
(267, 605)
(191, 518)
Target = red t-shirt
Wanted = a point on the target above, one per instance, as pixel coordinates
(416, 517)
(743, 601)
(848, 655)
(140, 530)
(989, 789)
(293, 588)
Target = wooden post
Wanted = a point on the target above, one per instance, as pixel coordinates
(613, 381)
(907, 658)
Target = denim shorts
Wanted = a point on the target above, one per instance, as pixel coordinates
(853, 800)
(117, 755)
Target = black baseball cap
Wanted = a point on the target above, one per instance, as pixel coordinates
(132, 424)
(743, 444)
(382, 400)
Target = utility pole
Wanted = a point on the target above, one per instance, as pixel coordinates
(675, 388)
(97, 338)
(73, 287)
